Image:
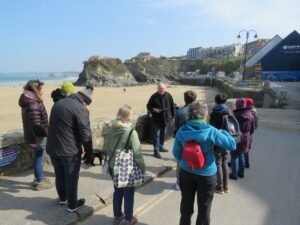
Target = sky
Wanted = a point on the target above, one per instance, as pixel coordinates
(58, 35)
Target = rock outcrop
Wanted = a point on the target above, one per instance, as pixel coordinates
(105, 72)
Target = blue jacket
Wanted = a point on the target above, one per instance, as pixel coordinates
(207, 136)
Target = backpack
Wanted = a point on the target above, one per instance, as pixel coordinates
(193, 155)
(231, 125)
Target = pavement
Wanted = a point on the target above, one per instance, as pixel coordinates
(20, 205)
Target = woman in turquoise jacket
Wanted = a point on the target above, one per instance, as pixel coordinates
(116, 139)
(202, 181)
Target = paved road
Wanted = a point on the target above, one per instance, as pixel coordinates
(268, 195)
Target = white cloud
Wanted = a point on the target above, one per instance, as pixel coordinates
(268, 17)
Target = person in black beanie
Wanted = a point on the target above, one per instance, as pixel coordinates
(69, 130)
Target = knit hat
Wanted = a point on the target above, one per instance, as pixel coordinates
(249, 102)
(67, 87)
(240, 103)
(87, 94)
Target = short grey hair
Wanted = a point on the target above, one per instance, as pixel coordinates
(197, 110)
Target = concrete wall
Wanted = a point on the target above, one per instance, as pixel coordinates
(100, 129)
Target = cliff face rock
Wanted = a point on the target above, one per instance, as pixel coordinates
(105, 72)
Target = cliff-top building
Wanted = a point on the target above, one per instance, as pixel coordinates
(227, 51)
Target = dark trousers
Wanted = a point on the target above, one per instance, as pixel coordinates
(159, 133)
(237, 164)
(128, 195)
(205, 188)
(246, 155)
(67, 175)
(222, 166)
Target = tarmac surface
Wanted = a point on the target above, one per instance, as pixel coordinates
(268, 195)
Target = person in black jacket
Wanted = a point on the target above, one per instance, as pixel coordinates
(69, 129)
(216, 119)
(161, 109)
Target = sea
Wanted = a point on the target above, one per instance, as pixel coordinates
(22, 78)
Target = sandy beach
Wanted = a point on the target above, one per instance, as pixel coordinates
(106, 100)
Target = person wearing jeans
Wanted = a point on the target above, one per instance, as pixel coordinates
(35, 126)
(69, 130)
(67, 175)
(199, 180)
(116, 139)
(162, 111)
(247, 127)
(237, 165)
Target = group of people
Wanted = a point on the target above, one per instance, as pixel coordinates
(67, 135)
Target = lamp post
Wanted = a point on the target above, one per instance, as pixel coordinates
(246, 47)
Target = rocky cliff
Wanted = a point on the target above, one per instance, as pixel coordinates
(105, 72)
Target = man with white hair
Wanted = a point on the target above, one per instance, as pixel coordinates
(161, 109)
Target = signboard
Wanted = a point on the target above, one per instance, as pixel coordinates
(8, 156)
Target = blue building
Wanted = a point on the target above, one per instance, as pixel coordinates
(279, 59)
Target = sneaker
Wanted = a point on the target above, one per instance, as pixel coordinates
(226, 190)
(35, 182)
(79, 204)
(232, 177)
(118, 220)
(44, 184)
(240, 175)
(157, 155)
(163, 149)
(61, 202)
(219, 190)
(132, 221)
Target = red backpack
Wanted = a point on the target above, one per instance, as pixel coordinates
(193, 155)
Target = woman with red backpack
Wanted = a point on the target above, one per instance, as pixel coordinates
(197, 134)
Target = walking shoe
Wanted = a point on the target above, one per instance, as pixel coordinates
(61, 202)
(132, 221)
(157, 155)
(219, 190)
(79, 204)
(240, 175)
(226, 190)
(233, 177)
(34, 183)
(118, 220)
(163, 149)
(247, 166)
(44, 184)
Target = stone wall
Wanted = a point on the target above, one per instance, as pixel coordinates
(100, 129)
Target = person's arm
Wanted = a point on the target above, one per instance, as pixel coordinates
(150, 105)
(177, 149)
(84, 130)
(172, 108)
(137, 153)
(223, 139)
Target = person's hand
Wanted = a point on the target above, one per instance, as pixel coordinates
(156, 110)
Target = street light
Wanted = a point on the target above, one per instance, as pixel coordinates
(246, 47)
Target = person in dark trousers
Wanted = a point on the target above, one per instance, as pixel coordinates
(250, 105)
(161, 109)
(35, 126)
(181, 117)
(200, 181)
(247, 126)
(69, 129)
(216, 119)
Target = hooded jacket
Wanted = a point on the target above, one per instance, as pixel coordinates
(207, 136)
(247, 127)
(34, 117)
(69, 128)
(216, 116)
(122, 133)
